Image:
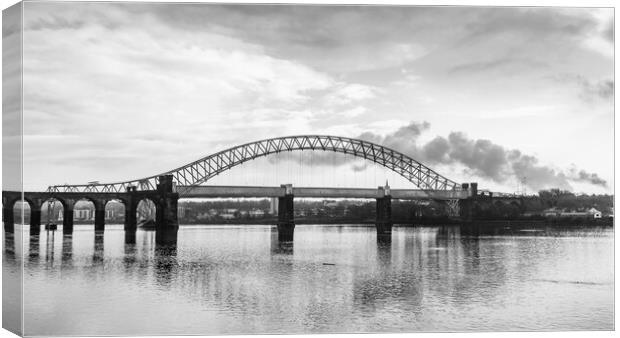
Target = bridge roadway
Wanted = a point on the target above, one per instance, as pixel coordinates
(314, 192)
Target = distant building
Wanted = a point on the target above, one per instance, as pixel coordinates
(595, 213)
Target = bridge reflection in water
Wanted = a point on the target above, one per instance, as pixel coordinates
(424, 279)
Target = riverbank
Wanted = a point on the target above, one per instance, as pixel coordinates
(421, 222)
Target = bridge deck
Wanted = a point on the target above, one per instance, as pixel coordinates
(261, 192)
(306, 192)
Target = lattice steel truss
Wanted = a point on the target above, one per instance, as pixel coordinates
(202, 170)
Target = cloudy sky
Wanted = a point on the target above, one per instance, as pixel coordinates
(121, 91)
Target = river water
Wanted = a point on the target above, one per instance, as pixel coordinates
(240, 279)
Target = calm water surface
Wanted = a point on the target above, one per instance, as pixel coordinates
(240, 279)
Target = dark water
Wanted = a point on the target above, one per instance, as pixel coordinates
(239, 279)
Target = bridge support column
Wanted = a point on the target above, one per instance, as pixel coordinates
(100, 216)
(131, 221)
(99, 220)
(167, 222)
(466, 205)
(35, 221)
(384, 213)
(67, 219)
(286, 215)
(9, 219)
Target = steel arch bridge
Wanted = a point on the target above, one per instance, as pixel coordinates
(202, 170)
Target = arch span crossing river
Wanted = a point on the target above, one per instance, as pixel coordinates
(164, 190)
(202, 170)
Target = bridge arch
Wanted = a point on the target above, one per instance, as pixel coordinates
(202, 170)
(85, 214)
(52, 216)
(96, 203)
(10, 203)
(108, 207)
(147, 208)
(118, 200)
(26, 206)
(62, 201)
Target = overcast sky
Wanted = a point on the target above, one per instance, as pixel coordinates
(121, 91)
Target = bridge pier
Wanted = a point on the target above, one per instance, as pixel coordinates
(67, 219)
(466, 205)
(9, 219)
(384, 213)
(167, 222)
(35, 220)
(131, 221)
(99, 220)
(286, 215)
(100, 216)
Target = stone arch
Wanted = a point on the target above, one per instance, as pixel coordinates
(79, 215)
(147, 208)
(9, 202)
(43, 204)
(114, 217)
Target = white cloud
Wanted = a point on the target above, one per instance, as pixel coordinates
(354, 112)
(348, 93)
(149, 92)
(598, 40)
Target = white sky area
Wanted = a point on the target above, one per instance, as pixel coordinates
(114, 92)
